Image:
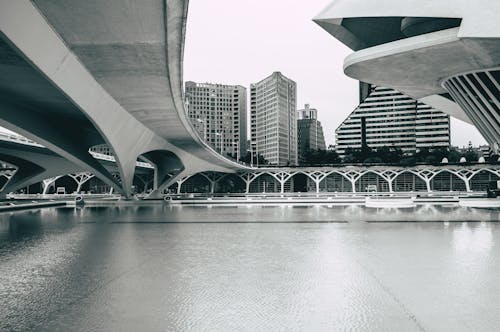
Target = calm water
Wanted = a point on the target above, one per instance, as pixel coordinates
(132, 269)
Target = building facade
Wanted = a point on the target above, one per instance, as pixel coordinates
(389, 118)
(448, 61)
(309, 132)
(273, 117)
(219, 114)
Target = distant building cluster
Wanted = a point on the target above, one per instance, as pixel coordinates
(219, 114)
(282, 135)
(310, 132)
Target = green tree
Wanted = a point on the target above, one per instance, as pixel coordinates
(471, 155)
(248, 159)
(321, 157)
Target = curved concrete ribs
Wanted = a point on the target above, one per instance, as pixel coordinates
(418, 46)
(34, 164)
(81, 73)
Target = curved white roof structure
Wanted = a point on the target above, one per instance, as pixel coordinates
(443, 53)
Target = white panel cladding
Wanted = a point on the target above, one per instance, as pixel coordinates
(396, 120)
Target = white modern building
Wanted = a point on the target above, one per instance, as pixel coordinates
(445, 53)
(309, 132)
(389, 118)
(219, 113)
(273, 118)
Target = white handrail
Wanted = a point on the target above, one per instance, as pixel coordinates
(23, 140)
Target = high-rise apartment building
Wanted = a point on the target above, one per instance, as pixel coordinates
(388, 118)
(273, 117)
(219, 114)
(309, 132)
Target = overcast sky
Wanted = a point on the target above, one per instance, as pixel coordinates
(243, 41)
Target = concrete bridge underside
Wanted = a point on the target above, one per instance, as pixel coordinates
(36, 164)
(76, 74)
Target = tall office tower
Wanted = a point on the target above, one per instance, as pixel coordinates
(309, 132)
(219, 114)
(395, 120)
(274, 120)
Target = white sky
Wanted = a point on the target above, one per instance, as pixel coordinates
(244, 41)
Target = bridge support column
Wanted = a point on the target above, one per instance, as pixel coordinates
(180, 177)
(213, 178)
(180, 182)
(145, 182)
(80, 179)
(248, 178)
(467, 186)
(47, 183)
(428, 184)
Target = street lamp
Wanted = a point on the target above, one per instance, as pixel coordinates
(221, 138)
(204, 128)
(252, 145)
(237, 150)
(251, 156)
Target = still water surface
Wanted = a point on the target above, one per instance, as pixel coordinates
(135, 269)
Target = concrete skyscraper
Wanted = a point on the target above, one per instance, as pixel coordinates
(393, 119)
(273, 117)
(219, 113)
(309, 131)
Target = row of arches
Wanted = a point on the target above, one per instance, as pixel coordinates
(84, 183)
(405, 181)
(282, 182)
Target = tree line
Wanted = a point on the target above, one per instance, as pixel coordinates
(382, 155)
(390, 155)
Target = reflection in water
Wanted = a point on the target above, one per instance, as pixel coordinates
(131, 268)
(473, 240)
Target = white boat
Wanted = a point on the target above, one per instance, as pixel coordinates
(390, 202)
(480, 202)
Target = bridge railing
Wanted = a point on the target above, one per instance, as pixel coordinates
(26, 141)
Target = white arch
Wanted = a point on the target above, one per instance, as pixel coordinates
(451, 171)
(259, 175)
(327, 174)
(186, 178)
(417, 174)
(476, 172)
(413, 172)
(363, 173)
(227, 175)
